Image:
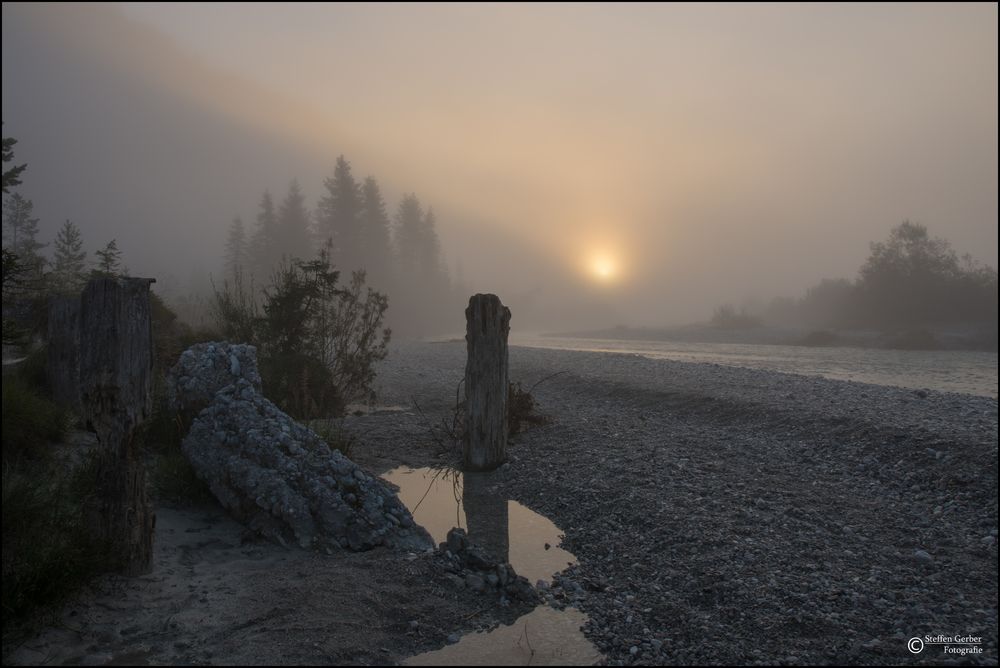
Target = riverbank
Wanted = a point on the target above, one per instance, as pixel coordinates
(737, 515)
(718, 515)
(960, 338)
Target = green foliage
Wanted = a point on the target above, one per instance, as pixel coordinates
(48, 550)
(22, 231)
(31, 421)
(317, 343)
(338, 438)
(11, 177)
(109, 260)
(170, 473)
(912, 280)
(338, 216)
(70, 260)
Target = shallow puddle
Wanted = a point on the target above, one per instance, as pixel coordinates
(543, 637)
(440, 500)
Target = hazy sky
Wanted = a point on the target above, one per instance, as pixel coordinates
(694, 154)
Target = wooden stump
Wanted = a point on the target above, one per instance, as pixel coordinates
(116, 371)
(487, 323)
(63, 364)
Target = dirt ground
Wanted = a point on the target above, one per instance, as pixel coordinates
(215, 597)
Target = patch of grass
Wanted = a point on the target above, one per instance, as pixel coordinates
(333, 432)
(49, 551)
(173, 479)
(30, 419)
(170, 473)
(521, 409)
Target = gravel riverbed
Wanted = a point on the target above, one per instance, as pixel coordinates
(725, 516)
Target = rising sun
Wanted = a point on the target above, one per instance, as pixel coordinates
(603, 268)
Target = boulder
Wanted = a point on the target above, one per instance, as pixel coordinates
(204, 369)
(282, 480)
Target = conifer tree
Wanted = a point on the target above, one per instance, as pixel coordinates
(22, 231)
(408, 235)
(338, 216)
(11, 177)
(377, 254)
(293, 224)
(109, 260)
(70, 260)
(430, 248)
(236, 249)
(264, 251)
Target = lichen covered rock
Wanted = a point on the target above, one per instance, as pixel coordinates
(205, 368)
(282, 480)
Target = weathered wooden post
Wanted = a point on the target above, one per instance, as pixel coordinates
(63, 364)
(116, 371)
(487, 323)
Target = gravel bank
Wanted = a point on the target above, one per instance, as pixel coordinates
(727, 515)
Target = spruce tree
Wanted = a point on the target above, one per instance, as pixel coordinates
(70, 260)
(264, 251)
(338, 216)
(236, 249)
(22, 231)
(430, 248)
(408, 235)
(376, 252)
(109, 260)
(11, 177)
(293, 225)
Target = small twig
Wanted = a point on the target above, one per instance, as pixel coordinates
(532, 388)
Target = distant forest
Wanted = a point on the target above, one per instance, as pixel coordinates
(910, 282)
(400, 254)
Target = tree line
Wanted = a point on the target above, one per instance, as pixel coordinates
(398, 253)
(910, 281)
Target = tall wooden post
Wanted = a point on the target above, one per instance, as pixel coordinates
(116, 371)
(487, 323)
(63, 367)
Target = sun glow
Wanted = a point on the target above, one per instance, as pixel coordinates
(603, 268)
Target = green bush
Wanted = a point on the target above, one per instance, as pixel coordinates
(30, 420)
(48, 550)
(317, 342)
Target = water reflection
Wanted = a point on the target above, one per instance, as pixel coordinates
(543, 637)
(440, 500)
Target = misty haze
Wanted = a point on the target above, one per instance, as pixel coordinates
(468, 334)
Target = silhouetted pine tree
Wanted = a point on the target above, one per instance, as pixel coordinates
(377, 253)
(22, 232)
(264, 251)
(12, 176)
(236, 249)
(431, 267)
(338, 217)
(69, 263)
(109, 260)
(293, 225)
(408, 236)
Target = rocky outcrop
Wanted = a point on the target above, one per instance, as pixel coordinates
(273, 474)
(205, 368)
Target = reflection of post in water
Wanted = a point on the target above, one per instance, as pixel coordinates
(486, 515)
